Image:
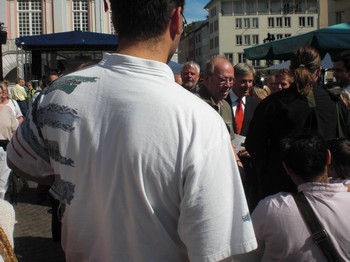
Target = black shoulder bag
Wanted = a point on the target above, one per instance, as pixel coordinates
(319, 234)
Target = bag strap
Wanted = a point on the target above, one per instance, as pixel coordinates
(318, 233)
(6, 250)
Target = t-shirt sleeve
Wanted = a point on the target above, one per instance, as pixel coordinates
(28, 151)
(17, 109)
(214, 218)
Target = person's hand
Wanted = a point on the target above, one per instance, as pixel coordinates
(348, 186)
(243, 153)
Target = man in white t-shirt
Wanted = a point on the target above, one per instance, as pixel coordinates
(145, 168)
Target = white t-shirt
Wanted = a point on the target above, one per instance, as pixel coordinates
(148, 168)
(15, 108)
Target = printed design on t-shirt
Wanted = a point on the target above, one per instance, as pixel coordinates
(32, 140)
(57, 116)
(54, 152)
(46, 150)
(68, 83)
(63, 191)
(246, 218)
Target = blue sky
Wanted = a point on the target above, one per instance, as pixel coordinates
(194, 10)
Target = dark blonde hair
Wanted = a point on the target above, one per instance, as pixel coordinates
(304, 63)
(285, 74)
(259, 92)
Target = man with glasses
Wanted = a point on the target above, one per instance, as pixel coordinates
(217, 82)
(145, 168)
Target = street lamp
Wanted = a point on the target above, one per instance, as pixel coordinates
(3, 38)
(269, 39)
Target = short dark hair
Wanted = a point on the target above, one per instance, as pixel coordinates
(304, 151)
(340, 152)
(142, 19)
(343, 56)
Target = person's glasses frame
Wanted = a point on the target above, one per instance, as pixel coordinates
(223, 80)
(184, 21)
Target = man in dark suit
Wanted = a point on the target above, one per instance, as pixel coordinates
(243, 106)
(239, 98)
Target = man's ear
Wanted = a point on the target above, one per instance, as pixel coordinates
(285, 168)
(176, 21)
(329, 157)
(318, 71)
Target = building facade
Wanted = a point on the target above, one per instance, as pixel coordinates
(35, 17)
(235, 25)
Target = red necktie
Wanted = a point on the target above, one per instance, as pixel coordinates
(239, 116)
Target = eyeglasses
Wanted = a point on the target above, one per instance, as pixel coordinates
(223, 80)
(184, 20)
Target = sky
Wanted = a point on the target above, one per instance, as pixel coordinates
(194, 10)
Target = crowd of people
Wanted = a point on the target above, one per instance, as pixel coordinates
(155, 167)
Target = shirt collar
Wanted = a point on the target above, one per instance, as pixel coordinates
(322, 187)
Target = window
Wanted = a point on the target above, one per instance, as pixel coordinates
(216, 42)
(287, 21)
(238, 22)
(238, 40)
(211, 44)
(287, 35)
(246, 23)
(255, 22)
(279, 36)
(216, 25)
(255, 39)
(255, 62)
(247, 39)
(211, 28)
(301, 21)
(263, 7)
(310, 21)
(213, 12)
(299, 7)
(287, 9)
(312, 6)
(339, 17)
(251, 7)
(229, 57)
(198, 38)
(275, 6)
(278, 21)
(238, 7)
(29, 17)
(80, 15)
(271, 22)
(241, 58)
(226, 8)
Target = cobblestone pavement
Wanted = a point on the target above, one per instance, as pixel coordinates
(32, 236)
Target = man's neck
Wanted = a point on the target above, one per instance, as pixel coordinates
(151, 49)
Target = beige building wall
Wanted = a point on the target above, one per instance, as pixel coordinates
(255, 24)
(338, 11)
